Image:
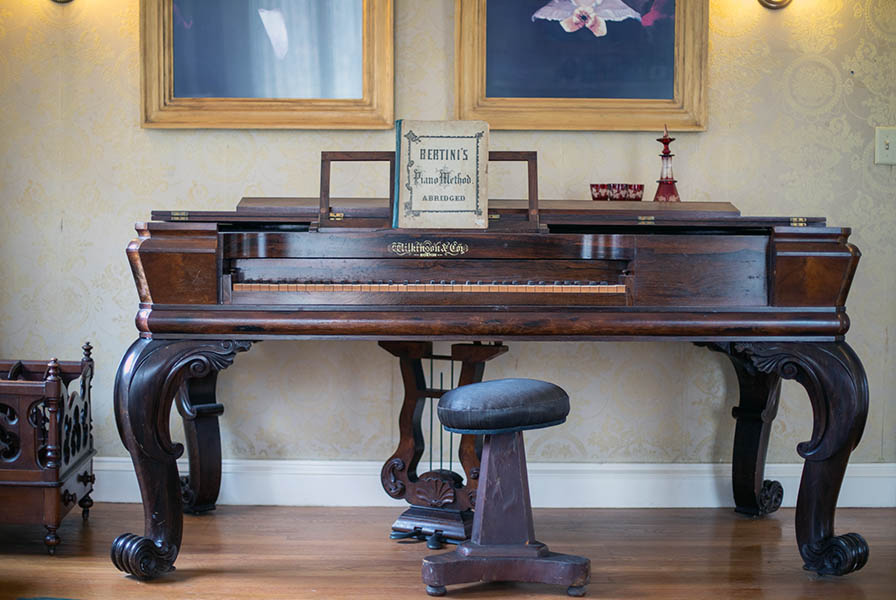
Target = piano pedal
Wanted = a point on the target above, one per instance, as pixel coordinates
(434, 541)
(415, 535)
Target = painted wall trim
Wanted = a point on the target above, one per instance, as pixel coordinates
(578, 485)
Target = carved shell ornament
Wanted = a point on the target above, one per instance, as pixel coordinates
(436, 492)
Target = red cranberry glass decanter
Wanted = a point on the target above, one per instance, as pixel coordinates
(666, 190)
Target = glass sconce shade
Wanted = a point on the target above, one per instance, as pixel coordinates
(774, 3)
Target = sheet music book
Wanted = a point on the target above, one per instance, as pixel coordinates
(441, 174)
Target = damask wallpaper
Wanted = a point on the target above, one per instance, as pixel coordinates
(794, 97)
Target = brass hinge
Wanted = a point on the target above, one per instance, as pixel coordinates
(337, 216)
(180, 215)
(797, 221)
(646, 220)
(494, 217)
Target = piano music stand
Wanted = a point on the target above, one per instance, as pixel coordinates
(335, 220)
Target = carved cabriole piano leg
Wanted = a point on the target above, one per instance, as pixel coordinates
(759, 394)
(150, 375)
(835, 380)
(441, 500)
(196, 404)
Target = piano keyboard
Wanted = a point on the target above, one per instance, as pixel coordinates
(531, 287)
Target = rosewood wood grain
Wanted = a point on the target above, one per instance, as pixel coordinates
(835, 380)
(557, 215)
(176, 263)
(150, 375)
(812, 268)
(427, 299)
(394, 243)
(199, 410)
(759, 395)
(279, 206)
(492, 322)
(723, 270)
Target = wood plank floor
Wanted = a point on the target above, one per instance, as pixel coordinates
(287, 552)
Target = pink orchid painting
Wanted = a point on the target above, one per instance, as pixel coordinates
(590, 14)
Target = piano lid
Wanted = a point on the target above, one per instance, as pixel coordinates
(379, 207)
(551, 212)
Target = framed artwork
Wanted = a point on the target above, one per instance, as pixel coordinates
(266, 64)
(582, 64)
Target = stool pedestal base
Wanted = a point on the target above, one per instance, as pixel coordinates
(558, 569)
(503, 545)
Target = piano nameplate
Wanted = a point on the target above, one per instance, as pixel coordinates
(428, 248)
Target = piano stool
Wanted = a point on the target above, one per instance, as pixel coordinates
(46, 442)
(503, 545)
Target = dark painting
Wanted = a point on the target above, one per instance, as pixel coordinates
(268, 48)
(580, 49)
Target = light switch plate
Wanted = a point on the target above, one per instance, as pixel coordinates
(885, 146)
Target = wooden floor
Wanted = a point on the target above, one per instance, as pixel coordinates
(279, 552)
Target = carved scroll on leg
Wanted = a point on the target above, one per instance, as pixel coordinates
(838, 389)
(758, 406)
(150, 374)
(197, 406)
(400, 470)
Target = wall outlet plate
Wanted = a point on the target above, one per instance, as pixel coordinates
(885, 146)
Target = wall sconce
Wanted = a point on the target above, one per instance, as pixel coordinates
(774, 3)
(62, 1)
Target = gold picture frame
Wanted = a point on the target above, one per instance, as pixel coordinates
(159, 108)
(685, 112)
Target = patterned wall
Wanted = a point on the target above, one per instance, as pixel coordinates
(794, 97)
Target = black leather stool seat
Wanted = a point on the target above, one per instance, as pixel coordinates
(503, 406)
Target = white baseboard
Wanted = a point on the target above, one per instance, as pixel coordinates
(572, 485)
